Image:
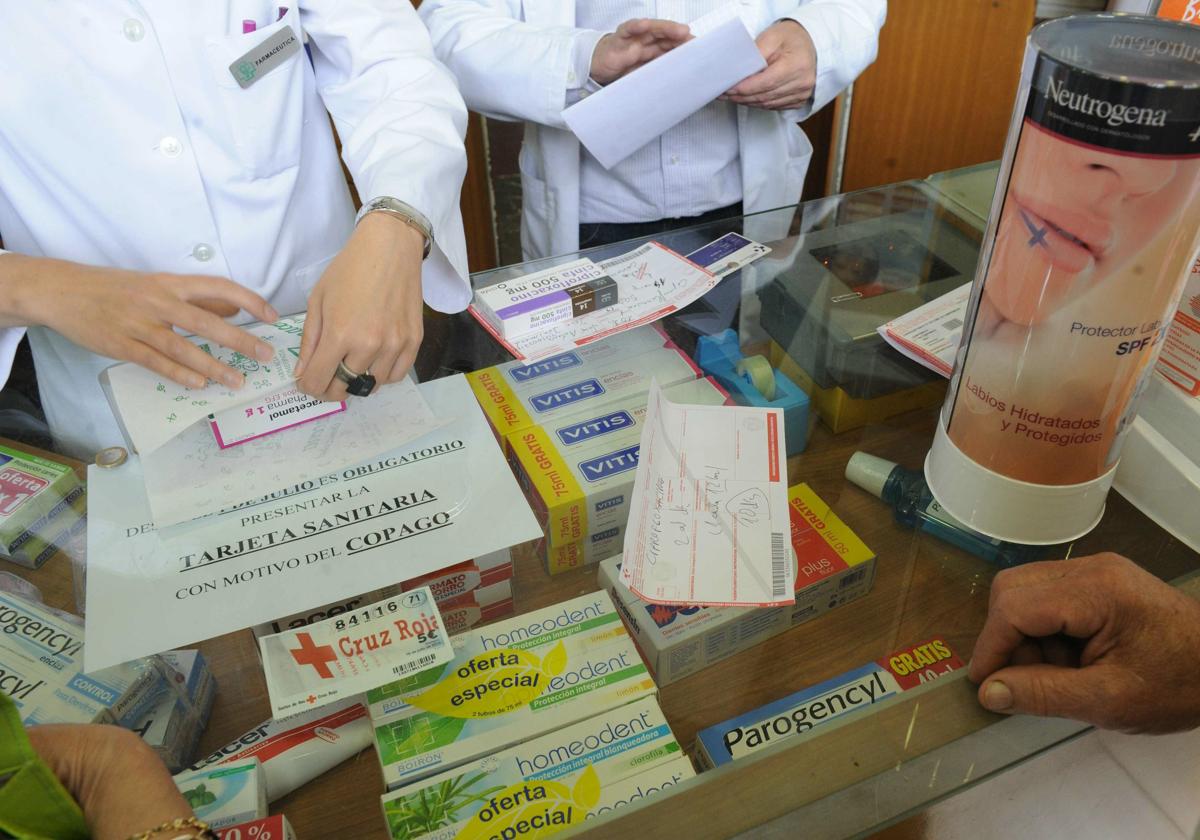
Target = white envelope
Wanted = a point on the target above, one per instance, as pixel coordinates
(616, 121)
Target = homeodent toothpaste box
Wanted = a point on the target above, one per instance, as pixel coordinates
(446, 584)
(592, 755)
(41, 501)
(508, 682)
(797, 713)
(512, 407)
(226, 794)
(513, 308)
(578, 490)
(833, 565)
(41, 669)
(173, 725)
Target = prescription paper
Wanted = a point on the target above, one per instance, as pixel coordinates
(653, 280)
(619, 119)
(434, 502)
(354, 652)
(709, 521)
(221, 478)
(930, 334)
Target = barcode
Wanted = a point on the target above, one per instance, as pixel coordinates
(952, 324)
(419, 664)
(779, 565)
(850, 580)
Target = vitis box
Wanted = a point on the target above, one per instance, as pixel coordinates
(513, 308)
(226, 794)
(41, 501)
(834, 567)
(508, 682)
(174, 724)
(592, 549)
(511, 407)
(574, 767)
(797, 713)
(1180, 359)
(578, 490)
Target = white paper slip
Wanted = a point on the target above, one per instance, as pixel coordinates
(709, 521)
(434, 502)
(267, 415)
(619, 119)
(654, 281)
(152, 409)
(354, 652)
(219, 479)
(930, 334)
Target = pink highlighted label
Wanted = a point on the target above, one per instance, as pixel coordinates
(276, 412)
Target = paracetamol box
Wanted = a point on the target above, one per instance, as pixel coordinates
(596, 754)
(508, 682)
(511, 407)
(834, 567)
(578, 490)
(450, 582)
(526, 304)
(40, 499)
(41, 669)
(481, 605)
(800, 712)
(1180, 359)
(226, 794)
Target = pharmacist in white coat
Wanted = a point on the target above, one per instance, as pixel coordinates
(170, 165)
(527, 60)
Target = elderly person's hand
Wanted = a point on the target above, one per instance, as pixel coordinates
(791, 73)
(121, 785)
(1096, 639)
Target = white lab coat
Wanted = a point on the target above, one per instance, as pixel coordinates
(513, 61)
(125, 141)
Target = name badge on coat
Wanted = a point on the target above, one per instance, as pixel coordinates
(265, 57)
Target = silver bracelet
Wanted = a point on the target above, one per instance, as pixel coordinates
(406, 213)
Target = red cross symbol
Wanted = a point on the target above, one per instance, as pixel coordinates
(310, 654)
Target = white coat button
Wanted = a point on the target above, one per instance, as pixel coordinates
(134, 30)
(170, 146)
(570, 75)
(203, 252)
(674, 159)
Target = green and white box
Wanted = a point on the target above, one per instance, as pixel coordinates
(596, 754)
(226, 794)
(40, 502)
(508, 682)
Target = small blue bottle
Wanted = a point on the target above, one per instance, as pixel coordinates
(914, 506)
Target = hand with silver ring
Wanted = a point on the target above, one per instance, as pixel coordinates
(357, 384)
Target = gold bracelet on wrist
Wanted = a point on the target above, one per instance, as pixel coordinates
(205, 833)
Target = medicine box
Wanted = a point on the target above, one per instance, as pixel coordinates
(797, 713)
(834, 567)
(173, 725)
(480, 606)
(226, 794)
(511, 407)
(1180, 359)
(508, 682)
(513, 308)
(41, 501)
(590, 550)
(276, 827)
(593, 755)
(579, 490)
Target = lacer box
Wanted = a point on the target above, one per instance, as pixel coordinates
(1180, 359)
(905, 669)
(514, 397)
(508, 682)
(41, 669)
(834, 567)
(41, 502)
(451, 582)
(514, 308)
(590, 757)
(578, 490)
(226, 794)
(173, 725)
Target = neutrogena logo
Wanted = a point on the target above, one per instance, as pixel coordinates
(1114, 114)
(588, 429)
(573, 393)
(554, 364)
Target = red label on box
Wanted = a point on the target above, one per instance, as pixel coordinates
(268, 828)
(16, 488)
(912, 666)
(815, 558)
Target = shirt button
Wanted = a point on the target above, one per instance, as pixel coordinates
(134, 30)
(570, 75)
(203, 252)
(674, 159)
(170, 146)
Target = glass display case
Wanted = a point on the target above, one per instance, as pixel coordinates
(838, 268)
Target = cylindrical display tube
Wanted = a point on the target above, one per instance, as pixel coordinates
(1095, 223)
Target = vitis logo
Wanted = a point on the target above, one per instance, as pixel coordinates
(580, 432)
(606, 534)
(610, 464)
(1114, 114)
(552, 365)
(576, 392)
(610, 503)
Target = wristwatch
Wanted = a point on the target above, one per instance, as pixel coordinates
(408, 214)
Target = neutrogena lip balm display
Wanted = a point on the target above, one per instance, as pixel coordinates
(1095, 224)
